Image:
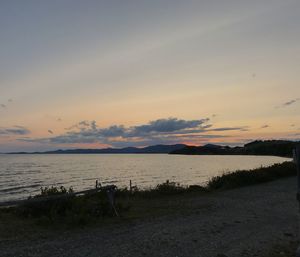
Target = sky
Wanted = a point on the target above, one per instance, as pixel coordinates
(95, 74)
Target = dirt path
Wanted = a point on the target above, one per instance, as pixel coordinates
(240, 222)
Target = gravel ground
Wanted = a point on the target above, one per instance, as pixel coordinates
(242, 222)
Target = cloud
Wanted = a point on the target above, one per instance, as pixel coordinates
(113, 131)
(264, 126)
(169, 130)
(288, 103)
(291, 102)
(168, 139)
(16, 130)
(83, 125)
(167, 125)
(243, 128)
(4, 106)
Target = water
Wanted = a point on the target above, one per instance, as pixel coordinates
(23, 175)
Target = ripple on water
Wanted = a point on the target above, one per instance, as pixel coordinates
(22, 175)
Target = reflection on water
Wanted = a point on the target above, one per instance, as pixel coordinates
(23, 175)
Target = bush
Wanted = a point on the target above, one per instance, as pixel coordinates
(49, 191)
(169, 188)
(60, 204)
(249, 177)
(164, 189)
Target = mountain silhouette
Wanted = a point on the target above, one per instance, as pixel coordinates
(126, 150)
(268, 147)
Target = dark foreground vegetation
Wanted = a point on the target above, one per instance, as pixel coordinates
(62, 206)
(250, 177)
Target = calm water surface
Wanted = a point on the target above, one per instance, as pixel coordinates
(23, 175)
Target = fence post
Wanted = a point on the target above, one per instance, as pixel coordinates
(296, 156)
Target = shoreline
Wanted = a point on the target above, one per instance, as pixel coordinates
(259, 213)
(204, 185)
(236, 222)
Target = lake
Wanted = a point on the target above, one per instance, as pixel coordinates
(23, 175)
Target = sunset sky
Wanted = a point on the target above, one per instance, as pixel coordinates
(93, 74)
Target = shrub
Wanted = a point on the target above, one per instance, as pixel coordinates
(165, 189)
(168, 188)
(59, 204)
(250, 177)
(49, 191)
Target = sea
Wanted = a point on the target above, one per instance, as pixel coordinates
(22, 176)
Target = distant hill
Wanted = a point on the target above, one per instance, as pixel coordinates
(126, 150)
(268, 147)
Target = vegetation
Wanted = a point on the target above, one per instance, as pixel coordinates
(165, 189)
(271, 147)
(268, 147)
(50, 191)
(67, 208)
(250, 177)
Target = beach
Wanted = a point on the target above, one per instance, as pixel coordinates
(247, 221)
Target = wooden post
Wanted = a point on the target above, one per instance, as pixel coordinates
(110, 191)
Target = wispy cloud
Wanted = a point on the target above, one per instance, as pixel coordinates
(16, 130)
(4, 106)
(83, 125)
(264, 126)
(288, 103)
(291, 102)
(243, 128)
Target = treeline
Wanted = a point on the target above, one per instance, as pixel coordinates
(267, 147)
